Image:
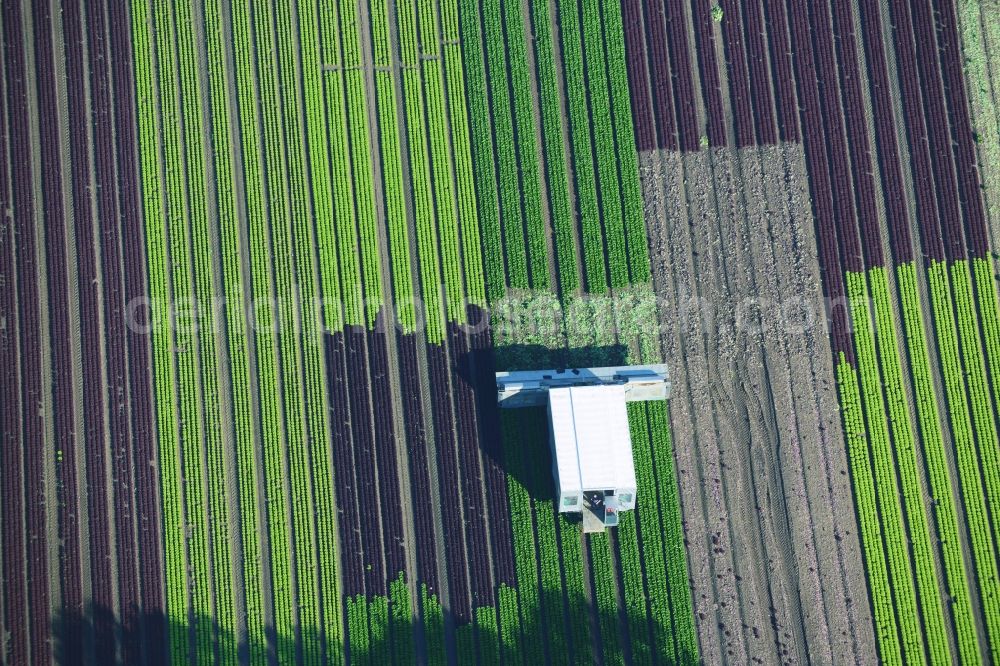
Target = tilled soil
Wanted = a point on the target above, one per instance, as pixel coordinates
(761, 460)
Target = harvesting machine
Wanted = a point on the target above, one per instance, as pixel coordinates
(588, 431)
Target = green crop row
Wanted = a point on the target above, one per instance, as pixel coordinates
(487, 635)
(907, 461)
(310, 463)
(432, 71)
(551, 590)
(264, 290)
(648, 518)
(557, 171)
(433, 628)
(583, 160)
(316, 50)
(380, 630)
(401, 621)
(571, 540)
(185, 340)
(669, 602)
(392, 169)
(220, 575)
(512, 215)
(541, 598)
(886, 628)
(338, 242)
(935, 457)
(603, 572)
(468, 209)
(510, 625)
(951, 360)
(380, 648)
(522, 527)
(465, 644)
(628, 158)
(889, 504)
(352, 64)
(477, 99)
(332, 176)
(236, 329)
(164, 363)
(357, 630)
(308, 237)
(633, 592)
(633, 563)
(279, 456)
(647, 513)
(682, 609)
(606, 154)
(420, 171)
(974, 494)
(524, 124)
(980, 397)
(976, 381)
(988, 307)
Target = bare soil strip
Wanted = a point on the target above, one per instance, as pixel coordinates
(767, 503)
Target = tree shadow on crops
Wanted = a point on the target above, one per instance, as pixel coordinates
(547, 626)
(97, 637)
(540, 357)
(524, 428)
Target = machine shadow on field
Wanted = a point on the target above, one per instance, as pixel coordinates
(525, 427)
(145, 640)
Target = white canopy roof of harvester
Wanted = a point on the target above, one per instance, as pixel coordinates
(590, 438)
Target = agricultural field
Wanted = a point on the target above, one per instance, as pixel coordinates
(831, 103)
(259, 262)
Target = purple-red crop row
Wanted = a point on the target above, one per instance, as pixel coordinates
(885, 134)
(416, 446)
(348, 516)
(638, 75)
(680, 54)
(15, 605)
(107, 183)
(390, 505)
(708, 67)
(760, 77)
(814, 143)
(857, 133)
(59, 305)
(483, 367)
(141, 450)
(363, 444)
(448, 482)
(949, 213)
(950, 60)
(739, 78)
(88, 276)
(781, 65)
(840, 175)
(467, 432)
(32, 442)
(663, 103)
(910, 94)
